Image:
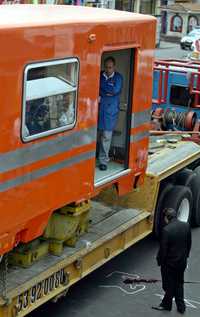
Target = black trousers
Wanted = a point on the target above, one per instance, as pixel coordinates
(173, 285)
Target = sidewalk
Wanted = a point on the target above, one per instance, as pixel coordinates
(168, 45)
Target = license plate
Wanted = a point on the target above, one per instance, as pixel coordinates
(41, 289)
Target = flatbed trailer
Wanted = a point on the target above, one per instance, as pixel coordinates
(116, 224)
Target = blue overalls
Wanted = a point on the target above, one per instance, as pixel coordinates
(110, 90)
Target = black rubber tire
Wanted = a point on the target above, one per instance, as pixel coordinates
(195, 188)
(191, 179)
(185, 177)
(197, 170)
(174, 198)
(170, 197)
(158, 221)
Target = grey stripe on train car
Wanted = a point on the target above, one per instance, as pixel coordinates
(42, 150)
(139, 118)
(139, 136)
(20, 180)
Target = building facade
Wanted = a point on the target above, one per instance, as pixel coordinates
(178, 19)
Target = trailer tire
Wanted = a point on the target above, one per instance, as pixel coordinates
(197, 170)
(180, 199)
(185, 177)
(158, 221)
(195, 188)
(191, 179)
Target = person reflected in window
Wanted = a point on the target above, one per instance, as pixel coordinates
(37, 111)
(37, 116)
(67, 112)
(110, 90)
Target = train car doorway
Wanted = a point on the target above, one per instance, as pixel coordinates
(118, 161)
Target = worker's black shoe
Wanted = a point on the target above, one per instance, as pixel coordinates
(103, 167)
(160, 307)
(181, 310)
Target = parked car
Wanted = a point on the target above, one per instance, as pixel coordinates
(188, 41)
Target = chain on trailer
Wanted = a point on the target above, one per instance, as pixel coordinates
(3, 277)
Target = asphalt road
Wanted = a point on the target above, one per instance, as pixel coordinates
(171, 50)
(103, 292)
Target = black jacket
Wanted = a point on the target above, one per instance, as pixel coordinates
(175, 244)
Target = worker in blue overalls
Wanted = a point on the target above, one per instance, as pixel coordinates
(110, 90)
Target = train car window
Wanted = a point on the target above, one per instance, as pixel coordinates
(180, 96)
(50, 98)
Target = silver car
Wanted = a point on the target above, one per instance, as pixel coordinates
(188, 41)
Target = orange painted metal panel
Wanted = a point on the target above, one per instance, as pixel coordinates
(33, 185)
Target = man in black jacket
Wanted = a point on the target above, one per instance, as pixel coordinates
(172, 257)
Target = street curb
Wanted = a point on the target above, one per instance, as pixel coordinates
(167, 45)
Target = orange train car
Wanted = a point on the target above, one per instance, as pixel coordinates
(50, 63)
